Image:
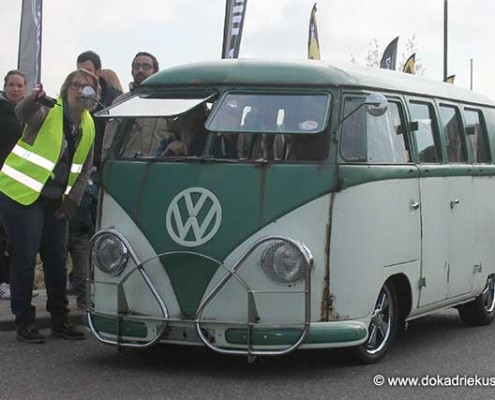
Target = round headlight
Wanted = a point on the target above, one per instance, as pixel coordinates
(109, 254)
(284, 262)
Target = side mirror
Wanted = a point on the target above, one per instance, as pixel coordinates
(377, 104)
(89, 96)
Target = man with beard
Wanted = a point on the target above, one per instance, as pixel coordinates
(146, 133)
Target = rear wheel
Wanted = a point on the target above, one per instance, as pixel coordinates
(480, 311)
(382, 329)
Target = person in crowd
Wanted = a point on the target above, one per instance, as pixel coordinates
(111, 77)
(41, 185)
(81, 227)
(14, 88)
(145, 133)
(91, 61)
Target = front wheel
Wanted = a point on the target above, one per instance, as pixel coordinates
(480, 311)
(382, 329)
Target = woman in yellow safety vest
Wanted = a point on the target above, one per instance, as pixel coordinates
(41, 185)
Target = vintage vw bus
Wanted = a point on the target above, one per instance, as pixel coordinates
(258, 207)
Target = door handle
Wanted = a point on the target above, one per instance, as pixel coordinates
(414, 205)
(454, 202)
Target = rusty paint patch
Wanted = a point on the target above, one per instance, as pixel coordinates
(333, 315)
(326, 298)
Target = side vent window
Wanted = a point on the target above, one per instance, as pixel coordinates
(373, 139)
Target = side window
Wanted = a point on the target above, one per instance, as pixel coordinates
(456, 148)
(423, 114)
(353, 139)
(476, 136)
(368, 138)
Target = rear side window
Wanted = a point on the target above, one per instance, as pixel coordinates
(476, 136)
(452, 131)
(373, 139)
(426, 136)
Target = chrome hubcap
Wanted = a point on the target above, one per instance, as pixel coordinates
(488, 295)
(381, 323)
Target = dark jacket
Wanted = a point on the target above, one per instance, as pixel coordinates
(10, 128)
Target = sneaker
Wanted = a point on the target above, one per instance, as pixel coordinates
(4, 291)
(68, 331)
(30, 334)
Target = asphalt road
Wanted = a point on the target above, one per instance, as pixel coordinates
(435, 346)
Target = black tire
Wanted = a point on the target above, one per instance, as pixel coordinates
(382, 329)
(480, 311)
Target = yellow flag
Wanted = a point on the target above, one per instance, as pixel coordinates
(410, 65)
(313, 42)
(450, 79)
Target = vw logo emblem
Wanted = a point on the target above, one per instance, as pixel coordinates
(193, 217)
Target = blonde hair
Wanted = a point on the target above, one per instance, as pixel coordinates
(111, 77)
(70, 77)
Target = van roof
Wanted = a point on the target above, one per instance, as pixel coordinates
(241, 73)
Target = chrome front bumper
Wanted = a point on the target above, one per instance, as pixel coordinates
(250, 338)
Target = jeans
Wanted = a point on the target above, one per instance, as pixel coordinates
(4, 257)
(78, 248)
(81, 228)
(31, 229)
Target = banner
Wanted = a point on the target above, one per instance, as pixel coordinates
(410, 65)
(29, 60)
(390, 55)
(450, 79)
(235, 11)
(313, 41)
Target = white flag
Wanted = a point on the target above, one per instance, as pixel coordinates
(29, 60)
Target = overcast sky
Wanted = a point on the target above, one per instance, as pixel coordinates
(183, 31)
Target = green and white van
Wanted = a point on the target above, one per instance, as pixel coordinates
(292, 206)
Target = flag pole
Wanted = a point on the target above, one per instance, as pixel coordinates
(471, 85)
(445, 38)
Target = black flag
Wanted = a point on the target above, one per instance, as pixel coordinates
(29, 60)
(232, 31)
(390, 55)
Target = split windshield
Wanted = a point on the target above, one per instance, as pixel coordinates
(238, 126)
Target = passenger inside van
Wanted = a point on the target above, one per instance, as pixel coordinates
(188, 134)
(189, 137)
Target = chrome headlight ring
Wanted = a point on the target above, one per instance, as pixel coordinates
(286, 262)
(109, 253)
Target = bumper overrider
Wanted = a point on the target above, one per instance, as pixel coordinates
(116, 317)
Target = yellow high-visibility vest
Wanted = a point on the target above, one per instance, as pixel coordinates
(28, 167)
